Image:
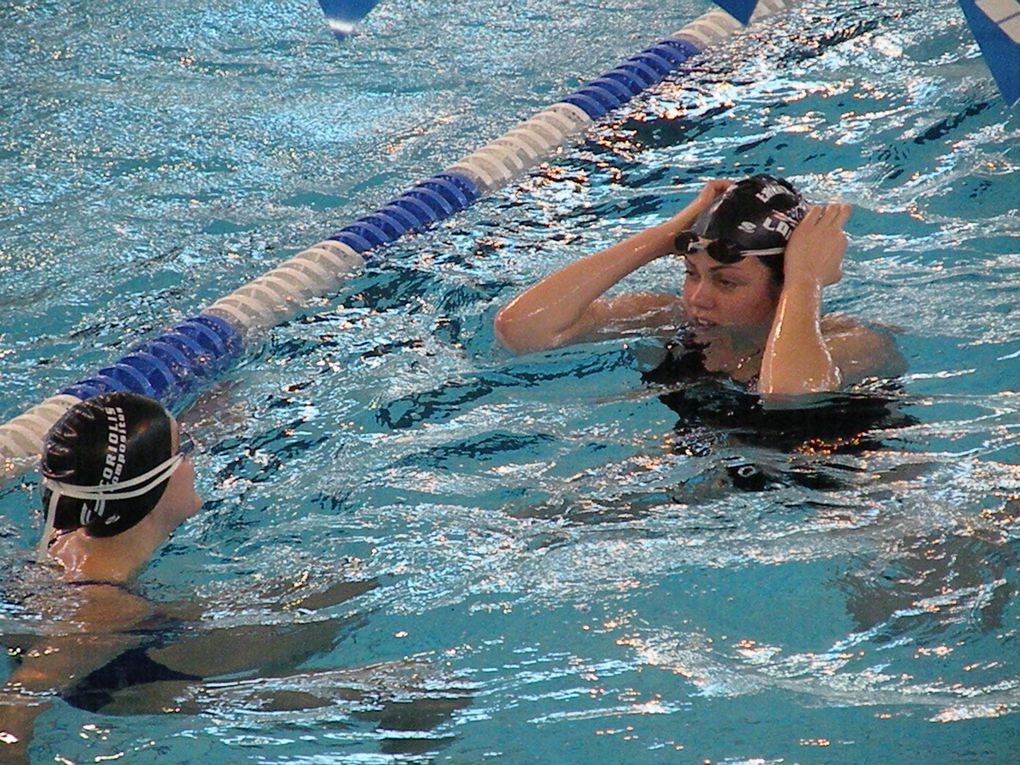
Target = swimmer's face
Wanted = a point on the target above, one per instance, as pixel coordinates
(741, 295)
(180, 491)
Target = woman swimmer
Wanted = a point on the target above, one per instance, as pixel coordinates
(757, 258)
(116, 482)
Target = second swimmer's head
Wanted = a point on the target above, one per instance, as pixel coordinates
(754, 218)
(100, 445)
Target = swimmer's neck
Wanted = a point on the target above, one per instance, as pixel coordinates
(732, 351)
(743, 341)
(116, 560)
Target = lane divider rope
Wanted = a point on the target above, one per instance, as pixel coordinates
(167, 367)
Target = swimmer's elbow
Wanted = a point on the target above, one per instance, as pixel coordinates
(509, 334)
(894, 362)
(520, 336)
(522, 330)
(876, 355)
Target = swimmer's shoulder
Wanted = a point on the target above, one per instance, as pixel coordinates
(631, 312)
(105, 607)
(862, 350)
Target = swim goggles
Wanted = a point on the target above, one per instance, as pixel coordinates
(129, 489)
(689, 243)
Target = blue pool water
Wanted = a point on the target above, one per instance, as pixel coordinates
(559, 567)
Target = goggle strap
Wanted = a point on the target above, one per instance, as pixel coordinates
(115, 491)
(763, 253)
(118, 490)
(699, 244)
(44, 540)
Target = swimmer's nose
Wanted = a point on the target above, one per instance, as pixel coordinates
(701, 296)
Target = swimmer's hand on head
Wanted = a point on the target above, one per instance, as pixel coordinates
(567, 306)
(808, 352)
(756, 265)
(817, 246)
(710, 192)
(797, 358)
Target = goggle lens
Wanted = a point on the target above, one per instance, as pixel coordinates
(689, 243)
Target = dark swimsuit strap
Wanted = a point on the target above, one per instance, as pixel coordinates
(83, 582)
(99, 583)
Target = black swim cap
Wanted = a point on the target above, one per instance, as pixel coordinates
(106, 440)
(755, 214)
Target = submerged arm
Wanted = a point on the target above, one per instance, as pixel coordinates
(565, 306)
(53, 664)
(267, 647)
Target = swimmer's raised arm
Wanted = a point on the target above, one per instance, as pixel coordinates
(805, 352)
(756, 264)
(566, 306)
(797, 358)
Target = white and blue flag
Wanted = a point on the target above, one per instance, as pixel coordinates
(741, 10)
(994, 23)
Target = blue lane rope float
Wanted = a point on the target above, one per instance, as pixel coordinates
(167, 365)
(197, 349)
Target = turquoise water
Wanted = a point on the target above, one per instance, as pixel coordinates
(559, 571)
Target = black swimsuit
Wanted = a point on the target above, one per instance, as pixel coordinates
(712, 408)
(130, 668)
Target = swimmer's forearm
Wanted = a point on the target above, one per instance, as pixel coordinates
(559, 308)
(17, 723)
(26, 694)
(796, 359)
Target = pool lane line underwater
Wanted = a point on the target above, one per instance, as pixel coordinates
(199, 348)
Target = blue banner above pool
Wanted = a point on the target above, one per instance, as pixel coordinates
(996, 27)
(342, 15)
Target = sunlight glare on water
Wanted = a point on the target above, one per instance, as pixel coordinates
(550, 563)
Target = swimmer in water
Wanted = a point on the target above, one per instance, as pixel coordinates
(116, 482)
(757, 258)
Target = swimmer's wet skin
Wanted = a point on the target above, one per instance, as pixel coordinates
(757, 258)
(117, 481)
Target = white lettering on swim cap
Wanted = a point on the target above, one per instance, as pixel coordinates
(116, 452)
(778, 225)
(770, 190)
